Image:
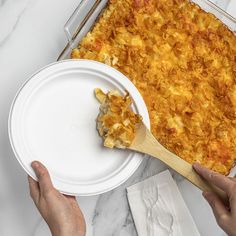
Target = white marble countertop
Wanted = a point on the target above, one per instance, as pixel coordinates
(31, 36)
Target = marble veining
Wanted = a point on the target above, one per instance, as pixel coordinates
(116, 201)
(31, 36)
(16, 11)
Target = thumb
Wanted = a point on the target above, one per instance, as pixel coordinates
(45, 183)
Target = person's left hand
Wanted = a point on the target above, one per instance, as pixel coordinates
(61, 212)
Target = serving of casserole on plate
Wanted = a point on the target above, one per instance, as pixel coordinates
(116, 122)
(183, 62)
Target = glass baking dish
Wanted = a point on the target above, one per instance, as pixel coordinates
(85, 15)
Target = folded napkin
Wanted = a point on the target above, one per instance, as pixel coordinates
(158, 208)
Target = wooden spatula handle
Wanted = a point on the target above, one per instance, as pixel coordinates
(186, 170)
(149, 145)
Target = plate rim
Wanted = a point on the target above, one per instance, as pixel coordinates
(10, 135)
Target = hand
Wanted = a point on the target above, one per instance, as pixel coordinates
(61, 212)
(225, 215)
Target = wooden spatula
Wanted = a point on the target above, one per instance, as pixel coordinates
(145, 142)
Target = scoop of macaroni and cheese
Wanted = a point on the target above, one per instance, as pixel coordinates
(116, 122)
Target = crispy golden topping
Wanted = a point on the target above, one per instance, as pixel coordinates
(183, 61)
(116, 121)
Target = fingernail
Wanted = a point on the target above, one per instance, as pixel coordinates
(196, 165)
(35, 164)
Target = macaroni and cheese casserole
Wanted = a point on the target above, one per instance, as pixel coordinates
(183, 62)
(116, 122)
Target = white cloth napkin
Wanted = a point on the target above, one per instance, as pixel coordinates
(158, 208)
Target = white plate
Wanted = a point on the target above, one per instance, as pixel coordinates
(52, 120)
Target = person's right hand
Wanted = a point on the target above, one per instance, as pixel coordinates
(61, 212)
(225, 215)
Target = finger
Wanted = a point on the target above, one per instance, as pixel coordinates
(217, 179)
(219, 209)
(232, 178)
(232, 196)
(45, 183)
(34, 189)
